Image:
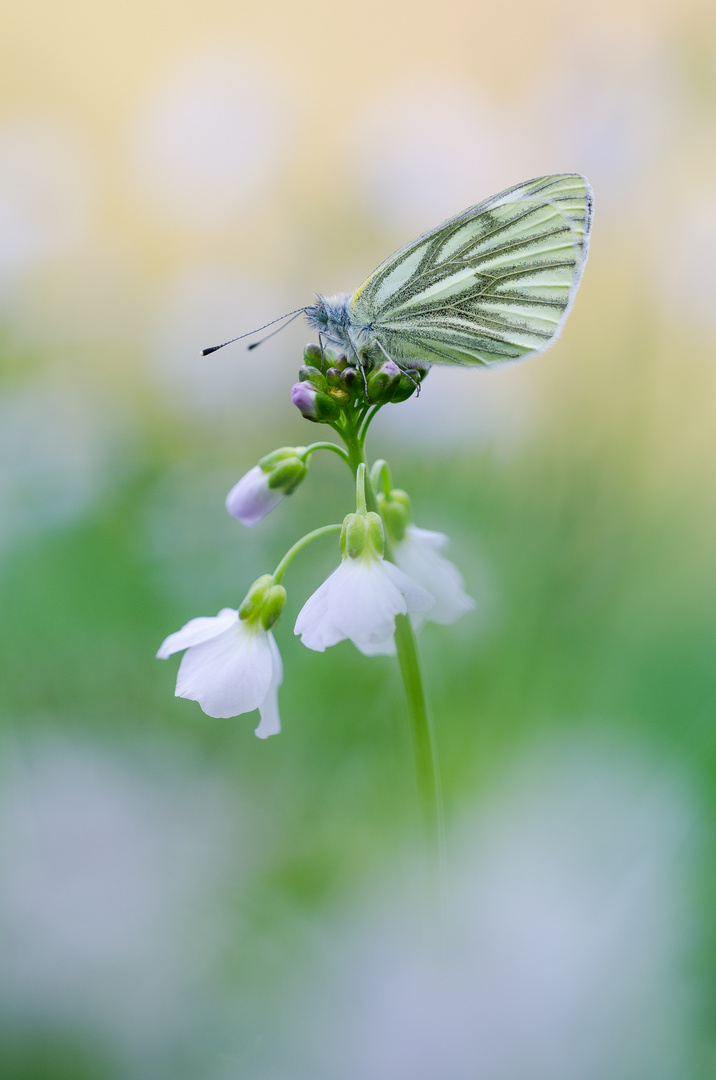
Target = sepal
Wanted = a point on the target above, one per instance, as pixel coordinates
(263, 602)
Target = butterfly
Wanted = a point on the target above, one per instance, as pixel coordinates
(492, 284)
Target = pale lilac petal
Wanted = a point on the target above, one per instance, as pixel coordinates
(367, 601)
(252, 499)
(196, 631)
(417, 598)
(315, 623)
(427, 536)
(359, 601)
(270, 720)
(416, 554)
(377, 648)
(230, 674)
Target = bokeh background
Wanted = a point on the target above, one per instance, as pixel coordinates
(179, 899)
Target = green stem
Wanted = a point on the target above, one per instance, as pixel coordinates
(299, 546)
(424, 750)
(423, 735)
(368, 419)
(326, 446)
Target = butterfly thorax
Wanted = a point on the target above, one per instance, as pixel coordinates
(331, 316)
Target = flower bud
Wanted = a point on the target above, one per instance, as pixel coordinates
(362, 534)
(251, 499)
(272, 606)
(314, 405)
(313, 356)
(313, 376)
(395, 509)
(287, 475)
(408, 383)
(253, 602)
(262, 488)
(382, 382)
(350, 379)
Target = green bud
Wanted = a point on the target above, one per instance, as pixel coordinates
(350, 379)
(288, 474)
(312, 356)
(382, 382)
(396, 513)
(268, 462)
(255, 597)
(272, 606)
(314, 377)
(333, 376)
(408, 384)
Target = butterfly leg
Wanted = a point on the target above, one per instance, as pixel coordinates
(359, 363)
(323, 351)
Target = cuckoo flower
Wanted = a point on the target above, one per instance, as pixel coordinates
(362, 597)
(232, 664)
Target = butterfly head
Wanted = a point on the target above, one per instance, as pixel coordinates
(330, 316)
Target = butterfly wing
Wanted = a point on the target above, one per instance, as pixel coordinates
(494, 283)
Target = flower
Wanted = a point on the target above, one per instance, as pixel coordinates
(313, 404)
(232, 664)
(418, 555)
(263, 487)
(361, 598)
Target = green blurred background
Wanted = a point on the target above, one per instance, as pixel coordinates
(179, 899)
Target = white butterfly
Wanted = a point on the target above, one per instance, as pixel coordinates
(494, 283)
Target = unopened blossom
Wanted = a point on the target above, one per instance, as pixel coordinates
(266, 485)
(251, 499)
(361, 598)
(231, 664)
(314, 404)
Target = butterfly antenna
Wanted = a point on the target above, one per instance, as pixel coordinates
(290, 316)
(255, 344)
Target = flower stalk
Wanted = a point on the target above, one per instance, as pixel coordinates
(422, 731)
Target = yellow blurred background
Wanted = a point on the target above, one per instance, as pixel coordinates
(178, 899)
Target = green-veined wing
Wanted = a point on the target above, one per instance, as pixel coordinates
(494, 283)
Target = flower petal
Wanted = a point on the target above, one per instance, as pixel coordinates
(315, 622)
(417, 555)
(230, 674)
(417, 598)
(270, 720)
(427, 536)
(251, 499)
(377, 648)
(197, 630)
(359, 601)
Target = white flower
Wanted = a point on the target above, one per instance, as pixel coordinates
(252, 499)
(359, 601)
(418, 555)
(230, 666)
